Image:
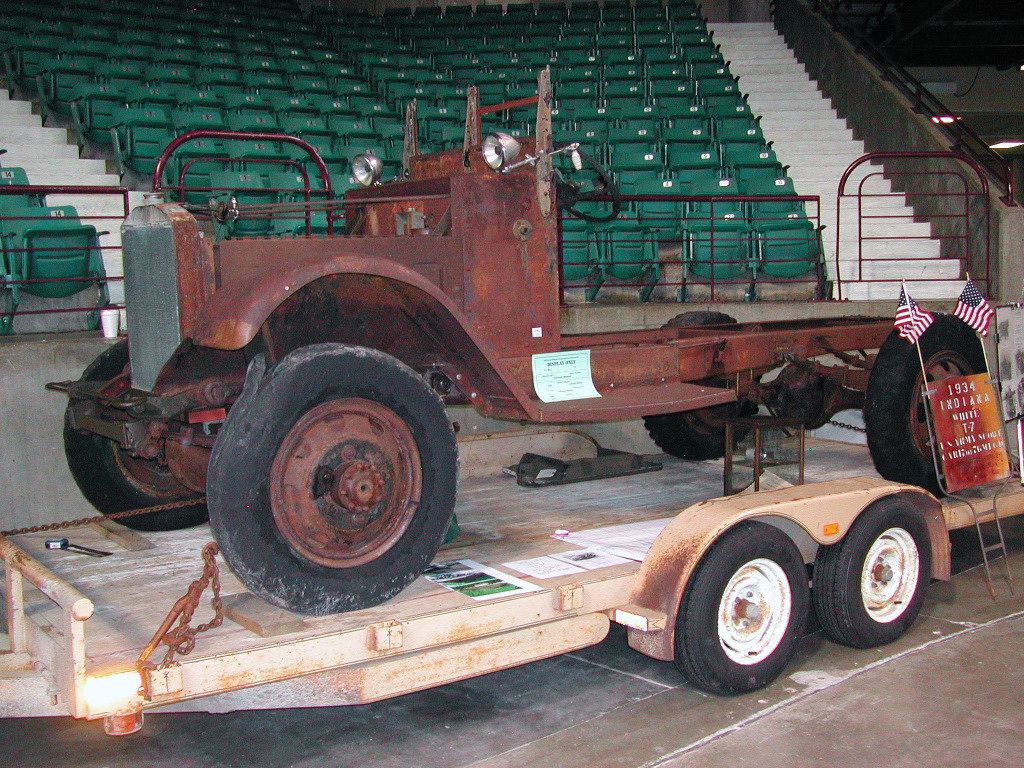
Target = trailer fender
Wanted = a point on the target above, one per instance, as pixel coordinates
(812, 515)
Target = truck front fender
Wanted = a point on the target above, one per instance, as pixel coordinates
(813, 514)
(362, 300)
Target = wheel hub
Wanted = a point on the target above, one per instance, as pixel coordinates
(889, 576)
(754, 611)
(345, 483)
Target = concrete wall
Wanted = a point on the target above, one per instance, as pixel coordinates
(37, 486)
(885, 121)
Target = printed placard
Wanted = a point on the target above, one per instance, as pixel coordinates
(561, 376)
(968, 431)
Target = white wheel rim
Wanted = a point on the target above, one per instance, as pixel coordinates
(889, 577)
(753, 615)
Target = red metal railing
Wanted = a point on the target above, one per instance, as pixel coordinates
(958, 213)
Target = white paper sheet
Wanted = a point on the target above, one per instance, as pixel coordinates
(543, 567)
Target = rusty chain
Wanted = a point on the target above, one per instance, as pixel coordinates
(182, 639)
(100, 518)
(851, 427)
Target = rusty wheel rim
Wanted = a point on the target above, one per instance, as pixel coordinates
(943, 365)
(345, 483)
(146, 475)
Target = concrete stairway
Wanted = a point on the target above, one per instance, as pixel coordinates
(818, 147)
(49, 158)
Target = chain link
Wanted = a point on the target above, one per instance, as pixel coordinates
(851, 427)
(100, 518)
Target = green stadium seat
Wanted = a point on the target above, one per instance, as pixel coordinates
(246, 188)
(13, 176)
(92, 111)
(139, 136)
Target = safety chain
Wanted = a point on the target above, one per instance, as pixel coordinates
(100, 518)
(851, 427)
(182, 639)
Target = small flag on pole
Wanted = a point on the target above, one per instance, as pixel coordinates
(973, 309)
(911, 320)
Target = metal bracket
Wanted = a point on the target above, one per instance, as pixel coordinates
(535, 471)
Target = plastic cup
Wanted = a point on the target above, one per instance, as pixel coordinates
(122, 321)
(109, 321)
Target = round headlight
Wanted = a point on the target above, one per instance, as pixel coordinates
(367, 169)
(499, 149)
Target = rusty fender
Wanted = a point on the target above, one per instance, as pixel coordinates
(813, 514)
(237, 312)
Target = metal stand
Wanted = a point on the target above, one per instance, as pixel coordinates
(757, 425)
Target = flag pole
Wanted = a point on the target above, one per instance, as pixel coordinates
(981, 339)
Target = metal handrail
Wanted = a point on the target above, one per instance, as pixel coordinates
(963, 140)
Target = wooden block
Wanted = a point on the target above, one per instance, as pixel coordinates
(569, 597)
(261, 617)
(121, 535)
(386, 636)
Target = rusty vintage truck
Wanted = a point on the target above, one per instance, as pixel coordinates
(300, 384)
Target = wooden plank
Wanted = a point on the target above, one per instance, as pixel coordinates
(121, 535)
(261, 617)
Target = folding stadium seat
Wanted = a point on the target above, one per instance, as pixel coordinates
(305, 126)
(693, 160)
(672, 88)
(716, 86)
(139, 135)
(663, 215)
(664, 56)
(198, 118)
(222, 79)
(27, 56)
(317, 104)
(727, 105)
(624, 90)
(168, 74)
(750, 161)
(718, 241)
(581, 256)
(191, 97)
(51, 245)
(354, 131)
(702, 70)
(92, 110)
(260, 63)
(736, 130)
(686, 130)
(56, 84)
(145, 96)
(307, 85)
(788, 249)
(632, 163)
(701, 53)
(266, 83)
(13, 176)
(619, 135)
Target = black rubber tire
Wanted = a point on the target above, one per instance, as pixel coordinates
(893, 410)
(242, 515)
(838, 570)
(699, 652)
(103, 471)
(699, 434)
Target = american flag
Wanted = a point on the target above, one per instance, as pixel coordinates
(911, 320)
(973, 309)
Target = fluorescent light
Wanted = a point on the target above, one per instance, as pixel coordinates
(1008, 145)
(944, 119)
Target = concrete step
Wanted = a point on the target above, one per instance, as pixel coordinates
(18, 154)
(73, 167)
(899, 269)
(867, 290)
(69, 178)
(17, 134)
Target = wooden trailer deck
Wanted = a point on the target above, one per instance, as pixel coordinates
(425, 636)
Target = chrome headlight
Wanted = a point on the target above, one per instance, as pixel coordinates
(499, 149)
(367, 169)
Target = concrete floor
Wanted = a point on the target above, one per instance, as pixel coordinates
(948, 693)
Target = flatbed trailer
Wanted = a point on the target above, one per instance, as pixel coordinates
(77, 625)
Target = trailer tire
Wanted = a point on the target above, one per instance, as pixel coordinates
(699, 434)
(897, 429)
(869, 586)
(114, 481)
(332, 483)
(754, 569)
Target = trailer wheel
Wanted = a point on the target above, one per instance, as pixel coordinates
(869, 587)
(894, 410)
(111, 479)
(743, 611)
(699, 434)
(332, 483)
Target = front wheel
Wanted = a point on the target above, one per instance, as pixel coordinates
(743, 611)
(869, 587)
(332, 483)
(113, 480)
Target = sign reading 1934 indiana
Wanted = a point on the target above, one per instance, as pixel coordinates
(968, 431)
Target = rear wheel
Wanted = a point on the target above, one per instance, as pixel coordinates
(894, 408)
(332, 482)
(113, 480)
(698, 434)
(743, 611)
(869, 587)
